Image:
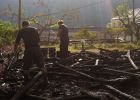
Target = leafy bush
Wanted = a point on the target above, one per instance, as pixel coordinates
(85, 34)
(7, 32)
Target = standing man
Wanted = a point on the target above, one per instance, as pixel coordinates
(32, 53)
(64, 38)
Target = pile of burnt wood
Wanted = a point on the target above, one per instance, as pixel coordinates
(107, 75)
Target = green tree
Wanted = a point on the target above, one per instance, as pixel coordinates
(125, 16)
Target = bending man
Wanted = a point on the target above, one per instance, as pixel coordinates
(32, 53)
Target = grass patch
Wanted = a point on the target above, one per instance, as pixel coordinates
(96, 46)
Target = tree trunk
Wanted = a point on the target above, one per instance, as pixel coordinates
(131, 34)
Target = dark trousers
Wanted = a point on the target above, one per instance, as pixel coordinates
(64, 48)
(32, 55)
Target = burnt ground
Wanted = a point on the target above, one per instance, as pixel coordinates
(107, 75)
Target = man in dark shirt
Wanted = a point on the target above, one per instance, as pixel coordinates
(64, 38)
(32, 53)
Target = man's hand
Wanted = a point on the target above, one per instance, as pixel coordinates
(15, 48)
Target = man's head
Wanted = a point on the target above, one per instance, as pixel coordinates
(25, 23)
(60, 22)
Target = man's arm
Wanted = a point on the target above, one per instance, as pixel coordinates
(17, 41)
(38, 35)
(59, 31)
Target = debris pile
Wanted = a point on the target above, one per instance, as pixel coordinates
(107, 75)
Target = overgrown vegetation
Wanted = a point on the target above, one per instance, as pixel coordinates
(85, 34)
(7, 33)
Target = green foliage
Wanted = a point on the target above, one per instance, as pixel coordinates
(122, 9)
(137, 42)
(7, 32)
(124, 14)
(115, 31)
(54, 26)
(85, 34)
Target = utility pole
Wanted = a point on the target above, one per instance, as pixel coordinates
(133, 2)
(49, 30)
(19, 15)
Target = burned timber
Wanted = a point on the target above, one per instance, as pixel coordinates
(107, 75)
